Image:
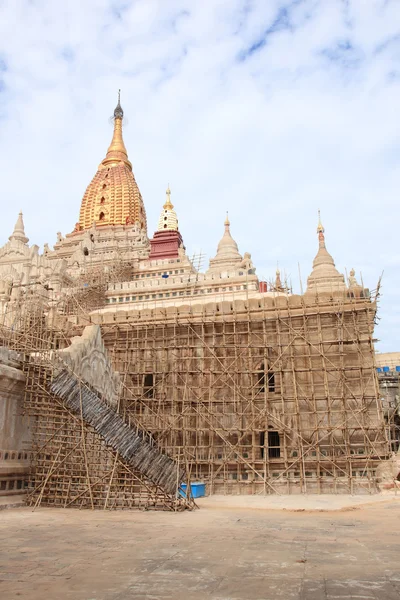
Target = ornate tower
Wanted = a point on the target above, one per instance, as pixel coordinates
(167, 239)
(113, 196)
(112, 222)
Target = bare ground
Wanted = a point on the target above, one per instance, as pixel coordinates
(228, 549)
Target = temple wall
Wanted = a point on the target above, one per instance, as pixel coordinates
(269, 394)
(15, 435)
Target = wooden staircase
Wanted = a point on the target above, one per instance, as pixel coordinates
(135, 446)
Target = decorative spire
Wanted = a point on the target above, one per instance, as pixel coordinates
(320, 231)
(118, 112)
(324, 276)
(228, 256)
(168, 204)
(352, 279)
(278, 282)
(117, 152)
(168, 220)
(227, 241)
(19, 230)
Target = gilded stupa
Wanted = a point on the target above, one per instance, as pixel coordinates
(112, 222)
(113, 196)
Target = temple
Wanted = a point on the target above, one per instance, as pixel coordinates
(230, 381)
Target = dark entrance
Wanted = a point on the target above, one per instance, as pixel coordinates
(274, 450)
(148, 391)
(274, 442)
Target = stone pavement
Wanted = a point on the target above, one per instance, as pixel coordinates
(212, 553)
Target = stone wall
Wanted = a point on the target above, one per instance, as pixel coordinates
(87, 358)
(15, 435)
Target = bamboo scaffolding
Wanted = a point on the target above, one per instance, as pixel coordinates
(250, 396)
(207, 402)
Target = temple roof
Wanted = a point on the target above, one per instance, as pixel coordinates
(168, 220)
(324, 276)
(113, 196)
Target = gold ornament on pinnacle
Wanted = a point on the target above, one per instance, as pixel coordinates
(116, 152)
(118, 112)
(320, 227)
(168, 204)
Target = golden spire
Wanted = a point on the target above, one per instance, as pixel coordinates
(320, 231)
(117, 152)
(113, 196)
(227, 222)
(168, 204)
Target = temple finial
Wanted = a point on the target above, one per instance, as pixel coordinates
(19, 230)
(116, 152)
(320, 227)
(118, 112)
(168, 219)
(324, 276)
(320, 231)
(278, 281)
(228, 256)
(168, 204)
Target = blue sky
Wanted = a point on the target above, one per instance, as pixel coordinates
(266, 108)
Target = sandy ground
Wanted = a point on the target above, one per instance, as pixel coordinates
(229, 549)
(297, 502)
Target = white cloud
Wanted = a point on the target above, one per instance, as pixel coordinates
(270, 110)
